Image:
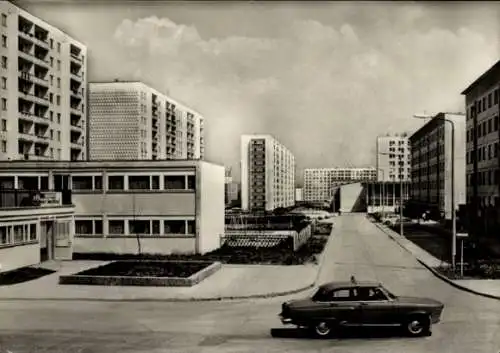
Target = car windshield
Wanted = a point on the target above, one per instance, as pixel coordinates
(388, 293)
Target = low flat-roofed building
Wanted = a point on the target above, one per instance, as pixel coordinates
(170, 206)
(34, 226)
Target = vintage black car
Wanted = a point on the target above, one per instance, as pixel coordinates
(347, 304)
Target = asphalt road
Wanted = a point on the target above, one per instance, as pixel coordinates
(470, 323)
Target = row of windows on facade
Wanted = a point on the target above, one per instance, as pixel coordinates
(484, 153)
(18, 234)
(429, 169)
(484, 178)
(435, 135)
(135, 182)
(484, 103)
(429, 185)
(143, 227)
(24, 109)
(3, 127)
(5, 65)
(400, 142)
(483, 129)
(485, 201)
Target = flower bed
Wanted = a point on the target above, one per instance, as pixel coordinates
(144, 273)
(23, 275)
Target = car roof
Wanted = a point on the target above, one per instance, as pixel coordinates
(349, 284)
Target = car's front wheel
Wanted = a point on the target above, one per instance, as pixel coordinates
(323, 329)
(417, 326)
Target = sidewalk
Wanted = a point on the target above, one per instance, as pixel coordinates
(230, 282)
(483, 287)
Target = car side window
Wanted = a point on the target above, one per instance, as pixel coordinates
(344, 294)
(371, 294)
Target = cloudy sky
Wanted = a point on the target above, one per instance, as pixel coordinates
(324, 78)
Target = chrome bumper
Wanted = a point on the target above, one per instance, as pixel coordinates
(284, 320)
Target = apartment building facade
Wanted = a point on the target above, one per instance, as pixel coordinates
(431, 164)
(130, 120)
(42, 90)
(170, 206)
(393, 158)
(320, 184)
(267, 174)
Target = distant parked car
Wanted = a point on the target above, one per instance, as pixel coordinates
(347, 304)
(395, 220)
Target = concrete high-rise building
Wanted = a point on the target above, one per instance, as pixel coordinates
(393, 158)
(320, 183)
(432, 161)
(267, 173)
(130, 120)
(43, 89)
(483, 158)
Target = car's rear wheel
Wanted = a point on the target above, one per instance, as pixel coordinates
(323, 329)
(417, 326)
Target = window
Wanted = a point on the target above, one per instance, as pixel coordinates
(490, 100)
(82, 183)
(51, 43)
(4, 146)
(175, 182)
(495, 97)
(4, 82)
(175, 227)
(4, 235)
(83, 227)
(59, 64)
(4, 124)
(18, 234)
(495, 123)
(58, 100)
(98, 182)
(51, 61)
(139, 227)
(44, 183)
(58, 47)
(138, 182)
(98, 227)
(4, 41)
(4, 103)
(58, 82)
(51, 98)
(116, 227)
(156, 226)
(191, 182)
(59, 136)
(32, 231)
(4, 62)
(51, 80)
(115, 182)
(59, 119)
(191, 227)
(4, 20)
(489, 151)
(155, 182)
(369, 294)
(490, 126)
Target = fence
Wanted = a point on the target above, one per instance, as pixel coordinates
(266, 239)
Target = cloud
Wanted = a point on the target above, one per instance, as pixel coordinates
(325, 91)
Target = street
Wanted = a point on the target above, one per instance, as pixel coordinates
(470, 323)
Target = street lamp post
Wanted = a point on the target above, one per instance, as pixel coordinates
(453, 213)
(383, 192)
(401, 229)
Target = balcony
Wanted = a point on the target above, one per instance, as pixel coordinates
(26, 35)
(33, 157)
(76, 110)
(76, 57)
(78, 145)
(78, 126)
(76, 94)
(31, 118)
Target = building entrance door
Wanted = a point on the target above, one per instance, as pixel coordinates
(47, 240)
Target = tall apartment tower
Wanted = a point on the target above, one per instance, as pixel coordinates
(393, 158)
(431, 163)
(42, 89)
(320, 183)
(130, 120)
(267, 174)
(482, 100)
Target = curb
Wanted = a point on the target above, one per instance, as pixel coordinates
(439, 275)
(173, 300)
(455, 284)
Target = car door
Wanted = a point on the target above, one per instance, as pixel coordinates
(344, 306)
(376, 307)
